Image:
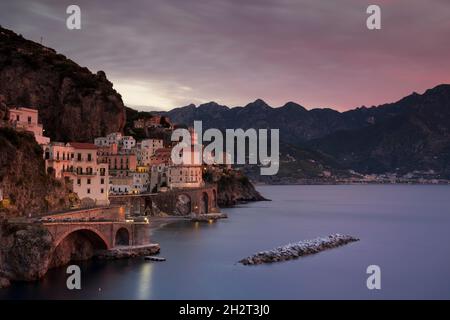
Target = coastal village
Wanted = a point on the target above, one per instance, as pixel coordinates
(122, 187)
(117, 166)
(114, 165)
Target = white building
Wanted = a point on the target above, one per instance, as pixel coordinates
(128, 142)
(141, 180)
(125, 142)
(121, 185)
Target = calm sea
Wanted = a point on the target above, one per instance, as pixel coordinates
(404, 229)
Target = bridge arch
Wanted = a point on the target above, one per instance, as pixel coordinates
(97, 238)
(122, 237)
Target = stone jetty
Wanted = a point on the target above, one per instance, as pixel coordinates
(153, 258)
(125, 252)
(208, 217)
(299, 249)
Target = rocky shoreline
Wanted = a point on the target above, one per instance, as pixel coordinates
(233, 187)
(299, 249)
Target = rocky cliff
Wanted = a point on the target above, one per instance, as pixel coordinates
(233, 187)
(73, 103)
(25, 252)
(23, 178)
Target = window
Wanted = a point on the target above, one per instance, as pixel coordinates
(17, 118)
(29, 120)
(101, 190)
(57, 155)
(79, 156)
(102, 181)
(88, 190)
(79, 181)
(89, 157)
(88, 181)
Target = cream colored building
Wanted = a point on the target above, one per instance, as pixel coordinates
(79, 163)
(146, 149)
(185, 176)
(58, 159)
(121, 185)
(27, 119)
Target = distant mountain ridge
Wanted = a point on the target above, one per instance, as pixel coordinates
(410, 134)
(293, 119)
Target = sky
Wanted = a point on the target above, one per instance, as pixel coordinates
(162, 54)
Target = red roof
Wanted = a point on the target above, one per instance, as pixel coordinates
(83, 145)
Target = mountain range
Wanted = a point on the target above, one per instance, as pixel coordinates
(410, 134)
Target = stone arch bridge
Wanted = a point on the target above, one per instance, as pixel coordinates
(105, 227)
(178, 202)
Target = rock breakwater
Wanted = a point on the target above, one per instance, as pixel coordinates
(126, 252)
(299, 249)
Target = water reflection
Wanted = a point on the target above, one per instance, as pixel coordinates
(403, 229)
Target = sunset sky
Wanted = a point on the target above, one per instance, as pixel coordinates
(170, 53)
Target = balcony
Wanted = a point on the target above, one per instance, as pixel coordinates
(86, 174)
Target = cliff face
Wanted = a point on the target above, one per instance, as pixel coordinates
(73, 103)
(23, 178)
(233, 187)
(25, 252)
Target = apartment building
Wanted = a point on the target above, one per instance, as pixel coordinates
(27, 119)
(124, 142)
(146, 149)
(185, 176)
(79, 163)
